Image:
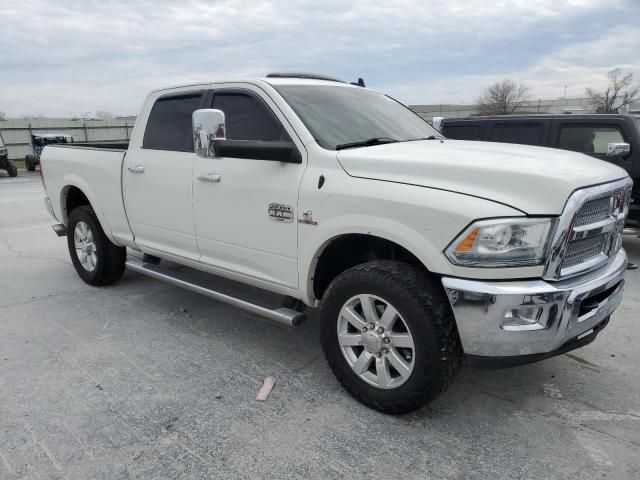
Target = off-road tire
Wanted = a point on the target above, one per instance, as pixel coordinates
(422, 303)
(30, 163)
(12, 170)
(110, 258)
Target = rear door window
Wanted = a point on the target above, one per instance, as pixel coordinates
(463, 132)
(524, 134)
(590, 139)
(170, 126)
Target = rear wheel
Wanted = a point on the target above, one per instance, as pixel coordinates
(30, 163)
(95, 258)
(389, 335)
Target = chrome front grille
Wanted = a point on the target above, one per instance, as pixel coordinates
(593, 211)
(589, 231)
(581, 250)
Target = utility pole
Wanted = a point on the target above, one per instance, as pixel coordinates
(565, 95)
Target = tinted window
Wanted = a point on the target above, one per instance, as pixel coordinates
(496, 133)
(169, 125)
(588, 138)
(463, 132)
(248, 118)
(338, 115)
(529, 134)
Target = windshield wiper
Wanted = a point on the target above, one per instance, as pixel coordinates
(366, 143)
(430, 137)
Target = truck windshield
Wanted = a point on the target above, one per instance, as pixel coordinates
(339, 115)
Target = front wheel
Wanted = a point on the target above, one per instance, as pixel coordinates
(96, 260)
(389, 336)
(12, 170)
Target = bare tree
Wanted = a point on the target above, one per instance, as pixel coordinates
(3, 116)
(502, 98)
(102, 115)
(618, 94)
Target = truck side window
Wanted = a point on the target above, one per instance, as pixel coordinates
(169, 124)
(463, 132)
(529, 134)
(523, 134)
(248, 118)
(588, 138)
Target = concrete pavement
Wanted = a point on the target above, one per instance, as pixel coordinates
(143, 380)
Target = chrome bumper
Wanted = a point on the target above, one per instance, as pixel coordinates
(517, 318)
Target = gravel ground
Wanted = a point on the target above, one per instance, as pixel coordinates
(142, 380)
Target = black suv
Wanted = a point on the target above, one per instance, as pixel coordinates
(593, 135)
(5, 163)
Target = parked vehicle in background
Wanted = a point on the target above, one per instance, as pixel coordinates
(417, 249)
(5, 163)
(609, 137)
(38, 142)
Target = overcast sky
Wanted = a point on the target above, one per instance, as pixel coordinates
(75, 56)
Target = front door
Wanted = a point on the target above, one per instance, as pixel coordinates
(157, 178)
(245, 209)
(591, 137)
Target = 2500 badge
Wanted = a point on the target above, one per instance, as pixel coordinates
(280, 213)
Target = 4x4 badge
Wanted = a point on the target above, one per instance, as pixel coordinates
(307, 218)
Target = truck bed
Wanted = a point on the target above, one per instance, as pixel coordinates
(96, 170)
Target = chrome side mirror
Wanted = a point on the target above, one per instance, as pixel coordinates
(437, 123)
(208, 127)
(618, 149)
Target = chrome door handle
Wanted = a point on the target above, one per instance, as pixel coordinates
(209, 177)
(136, 169)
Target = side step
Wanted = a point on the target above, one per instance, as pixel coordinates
(283, 316)
(60, 229)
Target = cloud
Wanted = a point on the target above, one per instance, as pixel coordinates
(72, 56)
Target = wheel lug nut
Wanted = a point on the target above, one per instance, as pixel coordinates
(378, 355)
(380, 329)
(372, 326)
(364, 329)
(387, 340)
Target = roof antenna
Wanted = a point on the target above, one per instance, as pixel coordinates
(359, 83)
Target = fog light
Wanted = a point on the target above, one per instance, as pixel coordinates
(524, 318)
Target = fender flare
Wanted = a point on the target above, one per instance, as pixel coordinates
(77, 182)
(380, 227)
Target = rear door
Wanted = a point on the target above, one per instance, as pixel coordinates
(157, 178)
(246, 220)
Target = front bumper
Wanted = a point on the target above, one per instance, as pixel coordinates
(534, 318)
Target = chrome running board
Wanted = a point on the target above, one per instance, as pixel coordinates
(283, 316)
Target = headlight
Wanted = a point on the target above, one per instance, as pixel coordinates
(503, 242)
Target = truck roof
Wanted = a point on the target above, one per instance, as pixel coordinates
(550, 116)
(279, 80)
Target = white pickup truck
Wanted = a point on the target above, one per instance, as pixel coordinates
(417, 249)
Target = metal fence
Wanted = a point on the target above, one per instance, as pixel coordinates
(16, 133)
(560, 105)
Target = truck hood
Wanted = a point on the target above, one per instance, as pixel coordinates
(535, 180)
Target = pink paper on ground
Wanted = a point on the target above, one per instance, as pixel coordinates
(265, 389)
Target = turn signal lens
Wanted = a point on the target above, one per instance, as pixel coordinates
(466, 245)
